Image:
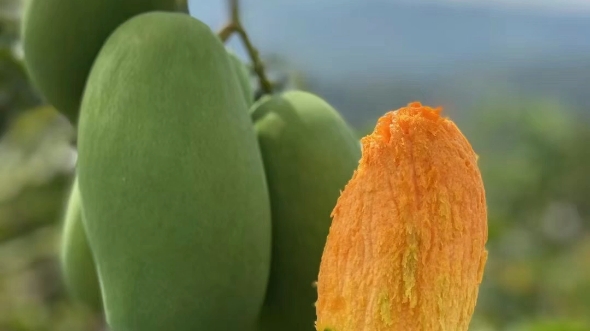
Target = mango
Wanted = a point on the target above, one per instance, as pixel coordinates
(243, 74)
(76, 260)
(61, 39)
(176, 203)
(406, 249)
(309, 154)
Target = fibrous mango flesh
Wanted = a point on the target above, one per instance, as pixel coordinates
(309, 155)
(406, 249)
(61, 39)
(77, 262)
(175, 198)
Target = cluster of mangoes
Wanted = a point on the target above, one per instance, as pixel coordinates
(194, 207)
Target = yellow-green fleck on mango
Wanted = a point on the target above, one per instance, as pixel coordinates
(77, 263)
(61, 39)
(243, 75)
(175, 197)
(309, 154)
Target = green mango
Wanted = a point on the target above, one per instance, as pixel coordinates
(61, 39)
(309, 154)
(176, 203)
(77, 263)
(243, 74)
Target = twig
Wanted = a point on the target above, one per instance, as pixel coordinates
(235, 26)
(234, 7)
(256, 62)
(226, 32)
(182, 6)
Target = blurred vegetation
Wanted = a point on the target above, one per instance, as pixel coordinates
(533, 157)
(532, 152)
(36, 167)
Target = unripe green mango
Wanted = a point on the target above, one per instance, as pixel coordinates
(309, 154)
(243, 75)
(76, 260)
(176, 204)
(61, 39)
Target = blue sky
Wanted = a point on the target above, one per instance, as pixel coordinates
(345, 42)
(212, 9)
(340, 38)
(213, 12)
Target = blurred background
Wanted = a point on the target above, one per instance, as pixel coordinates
(513, 74)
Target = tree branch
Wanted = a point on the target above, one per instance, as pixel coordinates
(257, 64)
(234, 7)
(226, 32)
(182, 6)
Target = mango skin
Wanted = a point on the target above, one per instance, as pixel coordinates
(309, 154)
(76, 260)
(61, 39)
(243, 75)
(176, 205)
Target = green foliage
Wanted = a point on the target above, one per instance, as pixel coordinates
(15, 85)
(533, 158)
(551, 325)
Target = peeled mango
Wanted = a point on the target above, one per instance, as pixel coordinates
(61, 39)
(406, 249)
(309, 155)
(77, 262)
(176, 203)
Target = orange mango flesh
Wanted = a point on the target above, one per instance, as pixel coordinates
(406, 248)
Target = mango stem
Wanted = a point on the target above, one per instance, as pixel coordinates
(235, 26)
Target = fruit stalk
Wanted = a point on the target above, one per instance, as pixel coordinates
(235, 26)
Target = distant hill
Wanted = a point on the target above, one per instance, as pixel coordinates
(364, 98)
(344, 37)
(367, 55)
